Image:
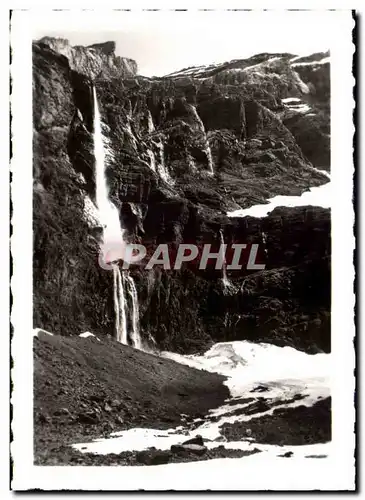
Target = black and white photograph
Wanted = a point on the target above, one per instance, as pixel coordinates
(183, 297)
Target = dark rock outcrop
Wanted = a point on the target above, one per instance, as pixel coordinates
(153, 457)
(297, 426)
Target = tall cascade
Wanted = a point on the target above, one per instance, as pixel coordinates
(135, 335)
(225, 279)
(161, 167)
(113, 238)
(227, 284)
(120, 306)
(207, 149)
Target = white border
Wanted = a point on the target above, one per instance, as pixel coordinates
(334, 474)
(4, 256)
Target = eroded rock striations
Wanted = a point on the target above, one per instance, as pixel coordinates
(182, 151)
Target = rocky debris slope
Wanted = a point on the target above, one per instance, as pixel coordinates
(182, 150)
(84, 388)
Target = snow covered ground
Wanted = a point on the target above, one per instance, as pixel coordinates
(37, 331)
(85, 335)
(320, 196)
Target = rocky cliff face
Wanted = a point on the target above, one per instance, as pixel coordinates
(182, 151)
(97, 60)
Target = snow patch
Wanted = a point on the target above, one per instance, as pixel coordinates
(290, 99)
(85, 335)
(37, 331)
(261, 63)
(312, 63)
(299, 108)
(320, 196)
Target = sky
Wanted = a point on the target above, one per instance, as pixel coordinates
(165, 41)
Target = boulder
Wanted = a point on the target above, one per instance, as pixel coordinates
(195, 448)
(195, 440)
(177, 448)
(89, 418)
(287, 454)
(153, 457)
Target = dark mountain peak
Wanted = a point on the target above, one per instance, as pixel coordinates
(108, 48)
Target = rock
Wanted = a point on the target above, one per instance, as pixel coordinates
(255, 143)
(108, 425)
(88, 418)
(166, 418)
(44, 419)
(260, 388)
(267, 157)
(115, 403)
(98, 398)
(195, 448)
(153, 457)
(195, 440)
(177, 448)
(257, 407)
(95, 60)
(287, 454)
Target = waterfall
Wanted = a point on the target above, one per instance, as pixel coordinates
(207, 149)
(109, 216)
(150, 124)
(135, 335)
(120, 307)
(228, 285)
(225, 279)
(113, 238)
(161, 167)
(152, 160)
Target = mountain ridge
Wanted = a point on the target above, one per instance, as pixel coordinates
(181, 154)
